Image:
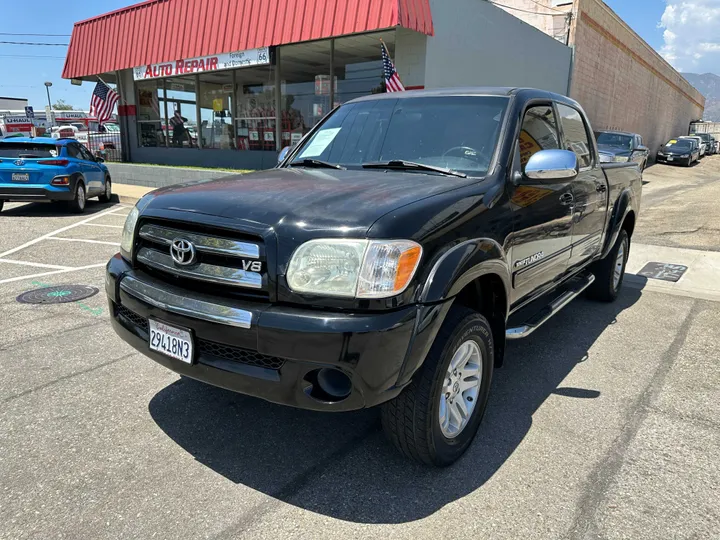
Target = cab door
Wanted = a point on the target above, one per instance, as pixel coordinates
(540, 244)
(589, 187)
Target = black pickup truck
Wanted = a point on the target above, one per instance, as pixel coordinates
(385, 261)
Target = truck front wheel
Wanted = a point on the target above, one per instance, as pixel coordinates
(435, 419)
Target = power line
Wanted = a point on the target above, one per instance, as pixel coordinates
(31, 43)
(549, 7)
(523, 10)
(36, 35)
(30, 56)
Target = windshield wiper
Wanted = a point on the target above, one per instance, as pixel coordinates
(309, 162)
(412, 166)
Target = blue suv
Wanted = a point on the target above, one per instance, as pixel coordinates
(44, 169)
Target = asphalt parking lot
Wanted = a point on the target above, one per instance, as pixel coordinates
(602, 424)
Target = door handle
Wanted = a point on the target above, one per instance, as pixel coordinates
(567, 199)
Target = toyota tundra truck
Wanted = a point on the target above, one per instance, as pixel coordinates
(386, 261)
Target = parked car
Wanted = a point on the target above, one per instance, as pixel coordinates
(621, 147)
(385, 261)
(701, 144)
(683, 151)
(708, 140)
(46, 169)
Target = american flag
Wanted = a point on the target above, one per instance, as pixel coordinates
(103, 102)
(392, 81)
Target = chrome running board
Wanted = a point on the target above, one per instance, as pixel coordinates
(546, 313)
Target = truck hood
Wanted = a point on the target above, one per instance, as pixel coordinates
(336, 202)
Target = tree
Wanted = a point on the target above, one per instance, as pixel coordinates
(60, 105)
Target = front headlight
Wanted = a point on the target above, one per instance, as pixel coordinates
(621, 159)
(128, 233)
(354, 268)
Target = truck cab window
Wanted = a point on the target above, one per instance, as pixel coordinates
(575, 135)
(539, 132)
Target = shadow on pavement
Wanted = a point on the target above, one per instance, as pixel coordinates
(57, 209)
(340, 465)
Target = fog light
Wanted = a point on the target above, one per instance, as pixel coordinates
(61, 181)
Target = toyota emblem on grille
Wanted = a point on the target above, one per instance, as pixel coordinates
(19, 162)
(182, 251)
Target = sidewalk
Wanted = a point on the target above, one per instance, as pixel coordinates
(701, 280)
(130, 194)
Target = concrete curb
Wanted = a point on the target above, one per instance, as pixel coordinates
(130, 194)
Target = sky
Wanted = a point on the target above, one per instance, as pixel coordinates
(686, 32)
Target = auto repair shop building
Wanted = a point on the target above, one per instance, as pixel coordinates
(252, 76)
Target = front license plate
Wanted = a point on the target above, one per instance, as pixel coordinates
(669, 158)
(171, 341)
(21, 177)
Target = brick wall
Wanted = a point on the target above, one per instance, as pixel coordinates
(622, 83)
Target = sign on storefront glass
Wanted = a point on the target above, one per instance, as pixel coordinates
(217, 62)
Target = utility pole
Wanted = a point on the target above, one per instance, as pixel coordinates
(50, 119)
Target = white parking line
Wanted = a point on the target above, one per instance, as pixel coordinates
(103, 225)
(63, 229)
(83, 240)
(38, 265)
(20, 278)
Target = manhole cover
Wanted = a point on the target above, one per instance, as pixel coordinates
(663, 271)
(61, 294)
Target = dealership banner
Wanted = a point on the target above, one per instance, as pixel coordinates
(217, 62)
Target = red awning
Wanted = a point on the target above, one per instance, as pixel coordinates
(166, 30)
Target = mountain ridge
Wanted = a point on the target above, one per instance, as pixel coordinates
(708, 84)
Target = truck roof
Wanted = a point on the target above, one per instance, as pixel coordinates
(469, 91)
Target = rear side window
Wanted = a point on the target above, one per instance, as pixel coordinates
(73, 151)
(575, 134)
(539, 132)
(28, 150)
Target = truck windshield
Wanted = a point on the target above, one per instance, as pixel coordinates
(458, 133)
(29, 150)
(614, 139)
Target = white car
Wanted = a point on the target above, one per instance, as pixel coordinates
(701, 143)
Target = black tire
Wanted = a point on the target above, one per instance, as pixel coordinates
(77, 205)
(411, 421)
(2, 203)
(605, 288)
(107, 195)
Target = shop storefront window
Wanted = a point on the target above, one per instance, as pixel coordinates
(151, 113)
(305, 82)
(181, 128)
(357, 65)
(255, 114)
(215, 97)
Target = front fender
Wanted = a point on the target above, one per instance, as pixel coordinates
(621, 208)
(461, 265)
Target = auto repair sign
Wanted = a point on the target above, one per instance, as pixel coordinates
(217, 62)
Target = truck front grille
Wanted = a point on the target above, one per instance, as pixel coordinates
(216, 261)
(205, 347)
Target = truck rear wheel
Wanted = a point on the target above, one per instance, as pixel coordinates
(610, 271)
(435, 419)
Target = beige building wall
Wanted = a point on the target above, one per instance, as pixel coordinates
(623, 84)
(550, 16)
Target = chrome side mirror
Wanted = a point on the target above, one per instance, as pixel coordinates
(283, 154)
(549, 165)
(642, 148)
